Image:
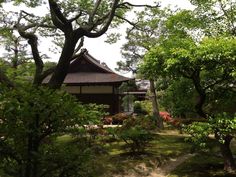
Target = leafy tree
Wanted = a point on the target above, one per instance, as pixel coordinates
(146, 32)
(217, 16)
(33, 115)
(128, 100)
(210, 66)
(223, 126)
(68, 22)
(178, 97)
(183, 54)
(31, 120)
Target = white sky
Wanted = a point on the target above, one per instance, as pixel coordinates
(110, 53)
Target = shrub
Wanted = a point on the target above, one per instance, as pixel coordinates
(120, 118)
(31, 120)
(136, 133)
(138, 108)
(221, 125)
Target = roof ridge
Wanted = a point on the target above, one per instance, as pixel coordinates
(97, 62)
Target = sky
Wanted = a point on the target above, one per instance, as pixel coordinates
(110, 53)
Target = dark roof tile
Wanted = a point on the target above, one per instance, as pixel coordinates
(103, 74)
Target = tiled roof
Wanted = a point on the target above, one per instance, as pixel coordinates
(102, 74)
(92, 78)
(97, 62)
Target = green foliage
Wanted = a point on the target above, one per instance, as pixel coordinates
(217, 16)
(213, 58)
(127, 102)
(199, 132)
(149, 29)
(72, 159)
(179, 98)
(222, 124)
(128, 86)
(135, 132)
(29, 3)
(138, 108)
(184, 24)
(31, 119)
(152, 65)
(143, 107)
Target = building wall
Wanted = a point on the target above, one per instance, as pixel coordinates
(89, 89)
(111, 100)
(105, 95)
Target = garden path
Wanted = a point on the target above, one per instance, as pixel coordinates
(163, 171)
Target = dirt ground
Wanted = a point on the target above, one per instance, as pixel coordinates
(142, 170)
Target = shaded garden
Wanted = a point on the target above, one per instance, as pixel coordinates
(188, 56)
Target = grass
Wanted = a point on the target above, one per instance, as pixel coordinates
(166, 145)
(207, 164)
(161, 149)
(201, 165)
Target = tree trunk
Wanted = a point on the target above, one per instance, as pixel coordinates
(229, 162)
(64, 62)
(155, 108)
(202, 94)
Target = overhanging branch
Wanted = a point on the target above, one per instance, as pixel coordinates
(128, 21)
(32, 40)
(58, 18)
(126, 4)
(107, 23)
(91, 16)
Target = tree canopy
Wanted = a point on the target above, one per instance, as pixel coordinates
(67, 22)
(195, 59)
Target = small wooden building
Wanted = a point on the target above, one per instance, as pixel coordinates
(93, 82)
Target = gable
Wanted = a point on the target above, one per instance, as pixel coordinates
(84, 62)
(83, 65)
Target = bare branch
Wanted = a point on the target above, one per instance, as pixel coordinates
(76, 17)
(33, 23)
(126, 20)
(56, 9)
(33, 42)
(46, 73)
(126, 4)
(58, 18)
(81, 44)
(91, 17)
(106, 25)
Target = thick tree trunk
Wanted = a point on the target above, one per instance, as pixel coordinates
(199, 105)
(155, 108)
(229, 162)
(63, 65)
(202, 94)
